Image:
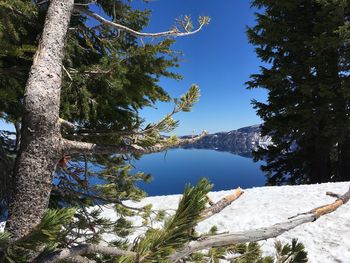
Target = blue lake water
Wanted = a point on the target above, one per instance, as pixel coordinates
(171, 170)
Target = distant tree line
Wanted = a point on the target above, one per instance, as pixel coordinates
(304, 47)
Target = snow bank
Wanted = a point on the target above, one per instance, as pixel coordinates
(326, 240)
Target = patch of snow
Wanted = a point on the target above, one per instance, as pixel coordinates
(326, 240)
(2, 226)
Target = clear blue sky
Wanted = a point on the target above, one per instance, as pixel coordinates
(219, 59)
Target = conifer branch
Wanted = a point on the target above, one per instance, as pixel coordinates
(74, 147)
(260, 233)
(175, 32)
(79, 250)
(184, 104)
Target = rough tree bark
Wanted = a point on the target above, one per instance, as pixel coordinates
(41, 144)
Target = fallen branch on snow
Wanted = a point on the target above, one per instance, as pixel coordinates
(260, 233)
(219, 206)
(211, 241)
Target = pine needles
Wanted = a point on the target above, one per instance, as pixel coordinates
(158, 244)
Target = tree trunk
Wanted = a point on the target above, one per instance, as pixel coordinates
(41, 142)
(320, 164)
(344, 174)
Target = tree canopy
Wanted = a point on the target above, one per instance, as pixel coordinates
(72, 82)
(108, 76)
(304, 48)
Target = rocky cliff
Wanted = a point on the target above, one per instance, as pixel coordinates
(242, 141)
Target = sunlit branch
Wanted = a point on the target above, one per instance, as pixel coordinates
(260, 233)
(75, 147)
(175, 32)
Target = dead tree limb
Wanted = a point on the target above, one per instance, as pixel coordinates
(67, 124)
(220, 205)
(174, 32)
(260, 233)
(333, 194)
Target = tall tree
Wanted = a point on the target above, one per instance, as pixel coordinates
(97, 77)
(104, 76)
(303, 46)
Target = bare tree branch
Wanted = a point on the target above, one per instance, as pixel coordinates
(174, 32)
(67, 124)
(87, 133)
(73, 147)
(75, 252)
(260, 233)
(333, 194)
(219, 206)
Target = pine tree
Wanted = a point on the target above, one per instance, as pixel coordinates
(306, 75)
(108, 75)
(80, 108)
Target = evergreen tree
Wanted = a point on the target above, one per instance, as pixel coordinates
(304, 46)
(82, 97)
(108, 75)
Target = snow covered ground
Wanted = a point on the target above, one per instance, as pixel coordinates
(327, 240)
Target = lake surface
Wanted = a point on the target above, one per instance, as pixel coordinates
(171, 170)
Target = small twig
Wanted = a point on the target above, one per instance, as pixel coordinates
(333, 195)
(65, 70)
(210, 201)
(42, 2)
